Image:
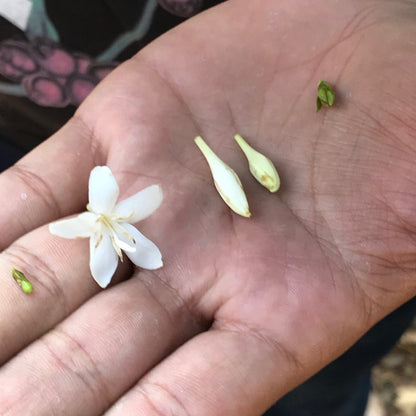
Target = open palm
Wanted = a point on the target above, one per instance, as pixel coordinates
(243, 309)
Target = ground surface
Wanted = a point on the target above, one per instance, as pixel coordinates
(394, 380)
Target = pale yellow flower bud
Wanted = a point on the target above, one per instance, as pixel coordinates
(260, 166)
(226, 180)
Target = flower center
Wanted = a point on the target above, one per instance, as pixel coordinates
(111, 223)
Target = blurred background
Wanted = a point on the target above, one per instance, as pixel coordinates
(394, 380)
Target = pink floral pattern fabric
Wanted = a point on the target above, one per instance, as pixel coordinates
(184, 8)
(50, 75)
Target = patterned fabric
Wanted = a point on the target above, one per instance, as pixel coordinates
(66, 49)
(183, 8)
(49, 75)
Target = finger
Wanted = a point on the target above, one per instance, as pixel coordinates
(103, 348)
(48, 183)
(219, 372)
(59, 272)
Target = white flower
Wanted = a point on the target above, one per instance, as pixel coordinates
(109, 226)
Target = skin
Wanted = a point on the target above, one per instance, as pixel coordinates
(243, 309)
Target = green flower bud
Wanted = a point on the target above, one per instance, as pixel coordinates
(261, 167)
(326, 96)
(22, 280)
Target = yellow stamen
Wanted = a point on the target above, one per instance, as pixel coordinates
(110, 223)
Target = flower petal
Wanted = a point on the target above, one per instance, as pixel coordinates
(147, 255)
(103, 190)
(140, 205)
(80, 226)
(103, 259)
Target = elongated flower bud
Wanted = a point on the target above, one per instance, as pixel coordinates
(22, 280)
(226, 180)
(260, 166)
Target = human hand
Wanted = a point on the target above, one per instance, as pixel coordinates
(243, 309)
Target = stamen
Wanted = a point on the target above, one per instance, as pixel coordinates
(125, 233)
(116, 247)
(100, 238)
(110, 223)
(119, 218)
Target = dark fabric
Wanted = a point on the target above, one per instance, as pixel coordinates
(8, 155)
(90, 26)
(342, 388)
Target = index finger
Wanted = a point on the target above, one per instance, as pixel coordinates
(48, 183)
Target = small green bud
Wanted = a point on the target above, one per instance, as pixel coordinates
(326, 96)
(261, 167)
(22, 280)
